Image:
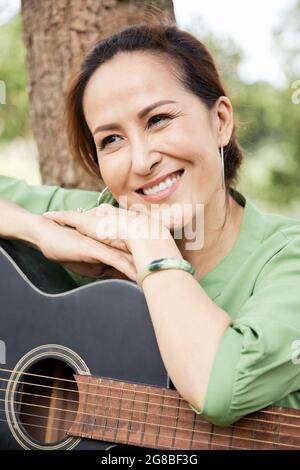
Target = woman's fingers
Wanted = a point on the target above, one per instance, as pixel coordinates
(76, 218)
(85, 223)
(71, 218)
(114, 257)
(106, 224)
(65, 244)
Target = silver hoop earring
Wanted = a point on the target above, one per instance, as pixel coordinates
(222, 168)
(101, 194)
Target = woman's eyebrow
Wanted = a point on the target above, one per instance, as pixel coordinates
(141, 114)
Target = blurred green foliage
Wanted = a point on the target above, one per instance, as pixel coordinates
(268, 122)
(14, 115)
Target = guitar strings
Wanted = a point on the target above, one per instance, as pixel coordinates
(159, 435)
(182, 419)
(286, 414)
(114, 408)
(95, 416)
(20, 382)
(137, 401)
(90, 384)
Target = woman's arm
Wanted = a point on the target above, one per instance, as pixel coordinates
(17, 223)
(188, 324)
(65, 245)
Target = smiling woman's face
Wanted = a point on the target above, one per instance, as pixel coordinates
(176, 140)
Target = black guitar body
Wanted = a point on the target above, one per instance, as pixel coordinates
(51, 328)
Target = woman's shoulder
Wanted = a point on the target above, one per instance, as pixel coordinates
(280, 250)
(282, 227)
(268, 226)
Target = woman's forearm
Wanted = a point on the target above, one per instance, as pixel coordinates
(17, 223)
(187, 323)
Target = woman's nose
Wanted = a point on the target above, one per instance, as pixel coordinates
(143, 160)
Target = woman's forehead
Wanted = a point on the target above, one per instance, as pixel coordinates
(129, 72)
(133, 78)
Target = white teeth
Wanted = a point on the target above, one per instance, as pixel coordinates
(167, 183)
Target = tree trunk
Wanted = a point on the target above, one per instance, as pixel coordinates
(56, 33)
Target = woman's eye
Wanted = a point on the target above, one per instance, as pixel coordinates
(156, 119)
(153, 120)
(105, 141)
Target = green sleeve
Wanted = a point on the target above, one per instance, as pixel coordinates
(254, 365)
(39, 199)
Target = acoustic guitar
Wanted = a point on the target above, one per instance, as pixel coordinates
(80, 368)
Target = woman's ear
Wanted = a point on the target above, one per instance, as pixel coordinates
(224, 119)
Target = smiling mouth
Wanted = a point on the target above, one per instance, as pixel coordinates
(163, 190)
(163, 186)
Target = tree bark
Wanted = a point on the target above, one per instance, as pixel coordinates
(57, 33)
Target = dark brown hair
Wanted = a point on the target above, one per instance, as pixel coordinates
(194, 68)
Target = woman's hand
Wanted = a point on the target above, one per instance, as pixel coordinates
(82, 254)
(115, 227)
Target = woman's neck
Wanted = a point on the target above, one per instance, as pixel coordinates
(219, 234)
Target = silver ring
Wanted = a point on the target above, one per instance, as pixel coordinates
(79, 209)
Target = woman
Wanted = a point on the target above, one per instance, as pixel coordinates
(148, 107)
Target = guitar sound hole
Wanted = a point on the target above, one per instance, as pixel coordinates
(48, 400)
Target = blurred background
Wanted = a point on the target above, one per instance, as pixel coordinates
(257, 48)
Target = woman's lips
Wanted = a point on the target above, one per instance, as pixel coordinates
(162, 194)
